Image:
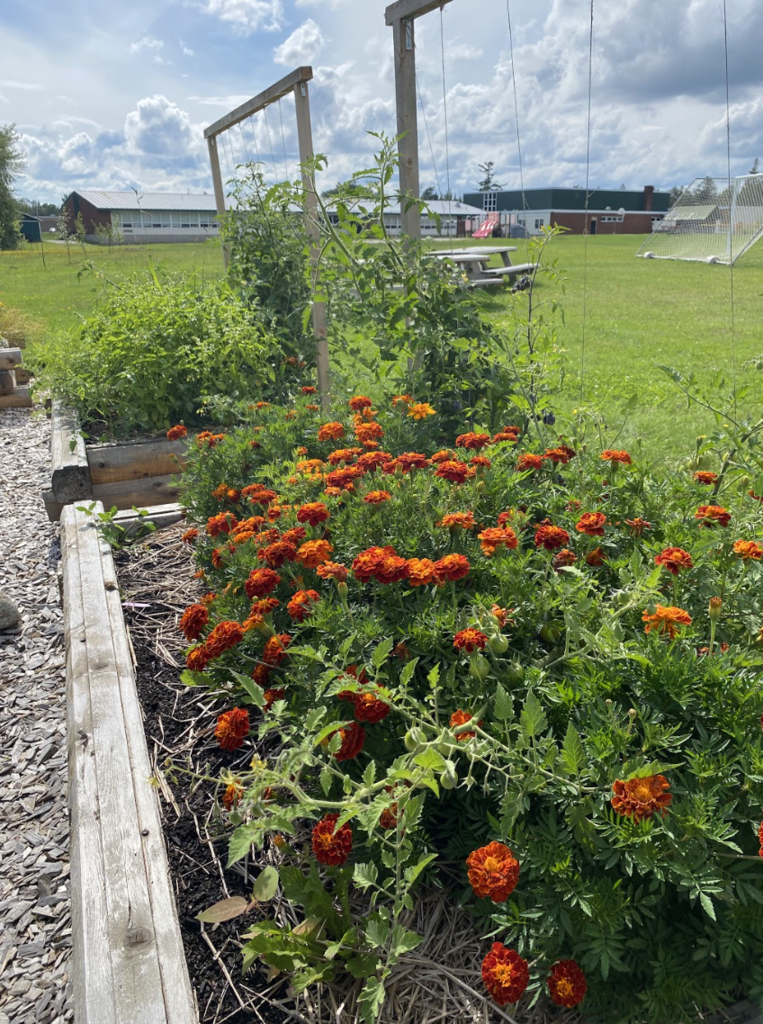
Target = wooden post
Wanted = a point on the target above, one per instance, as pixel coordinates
(305, 136)
(217, 181)
(401, 16)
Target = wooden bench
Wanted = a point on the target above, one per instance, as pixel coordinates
(128, 965)
(511, 271)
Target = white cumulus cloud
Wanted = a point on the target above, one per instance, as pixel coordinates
(146, 43)
(247, 16)
(159, 128)
(302, 46)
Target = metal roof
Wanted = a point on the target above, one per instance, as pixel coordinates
(149, 200)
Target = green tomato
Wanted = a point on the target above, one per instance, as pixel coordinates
(449, 778)
(515, 672)
(550, 632)
(479, 667)
(498, 643)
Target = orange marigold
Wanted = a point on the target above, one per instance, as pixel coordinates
(177, 432)
(331, 431)
(225, 522)
(232, 728)
(275, 649)
(480, 462)
(458, 521)
(190, 536)
(592, 523)
(703, 477)
(421, 572)
(313, 513)
(567, 984)
(346, 455)
(454, 471)
(495, 537)
(461, 718)
(232, 795)
(193, 620)
(225, 635)
(528, 461)
(301, 605)
(333, 571)
(197, 659)
(277, 553)
(563, 558)
(638, 525)
(313, 552)
(420, 410)
(308, 390)
(562, 454)
(472, 440)
(552, 538)
(271, 696)
(674, 560)
(344, 477)
(359, 402)
(748, 550)
(505, 974)
(493, 871)
(331, 845)
(442, 456)
(295, 535)
(382, 564)
(596, 557)
(353, 737)
(401, 400)
(666, 619)
(369, 461)
(505, 435)
(261, 582)
(208, 439)
(452, 567)
(614, 456)
(369, 432)
(712, 516)
(470, 640)
(412, 460)
(377, 497)
(501, 615)
(640, 798)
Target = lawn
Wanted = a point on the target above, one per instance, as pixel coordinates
(638, 314)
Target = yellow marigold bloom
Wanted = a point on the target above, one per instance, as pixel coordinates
(420, 410)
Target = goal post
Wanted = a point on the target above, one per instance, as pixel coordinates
(713, 220)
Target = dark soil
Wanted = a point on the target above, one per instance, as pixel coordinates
(179, 726)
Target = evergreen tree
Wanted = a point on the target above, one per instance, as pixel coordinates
(11, 161)
(488, 183)
(429, 193)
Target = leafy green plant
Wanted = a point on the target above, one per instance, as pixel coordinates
(116, 535)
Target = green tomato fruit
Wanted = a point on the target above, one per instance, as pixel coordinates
(550, 632)
(479, 667)
(515, 672)
(498, 643)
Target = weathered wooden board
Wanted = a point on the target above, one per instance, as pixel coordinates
(18, 399)
(128, 965)
(23, 376)
(53, 508)
(9, 358)
(7, 382)
(157, 490)
(159, 515)
(70, 478)
(135, 460)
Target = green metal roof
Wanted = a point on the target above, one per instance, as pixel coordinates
(573, 199)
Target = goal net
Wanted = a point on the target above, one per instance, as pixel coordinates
(714, 220)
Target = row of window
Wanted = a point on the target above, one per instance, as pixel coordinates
(131, 220)
(539, 222)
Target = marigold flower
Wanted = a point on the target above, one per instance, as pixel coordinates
(333, 492)
(748, 550)
(563, 558)
(310, 467)
(552, 538)
(177, 432)
(596, 557)
(420, 410)
(480, 462)
(193, 620)
(561, 455)
(232, 728)
(461, 718)
(369, 432)
(330, 846)
(261, 582)
(703, 477)
(220, 492)
(472, 440)
(369, 461)
(333, 571)
(260, 495)
(314, 513)
(382, 564)
(401, 400)
(360, 402)
(277, 553)
(265, 606)
(495, 537)
(275, 649)
(567, 984)
(638, 525)
(331, 431)
(217, 558)
(421, 572)
(442, 456)
(346, 455)
(388, 818)
(614, 456)
(225, 635)
(368, 706)
(592, 523)
(313, 552)
(271, 696)
(343, 478)
(452, 567)
(505, 974)
(454, 471)
(712, 516)
(205, 438)
(470, 640)
(207, 599)
(412, 460)
(377, 497)
(674, 560)
(197, 659)
(309, 390)
(232, 795)
(353, 737)
(295, 535)
(493, 871)
(640, 798)
(261, 674)
(458, 521)
(301, 605)
(666, 619)
(190, 536)
(760, 839)
(225, 522)
(262, 405)
(501, 615)
(505, 435)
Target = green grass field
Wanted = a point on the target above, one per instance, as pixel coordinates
(638, 314)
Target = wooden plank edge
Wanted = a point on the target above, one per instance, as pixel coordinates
(70, 476)
(9, 358)
(20, 398)
(155, 490)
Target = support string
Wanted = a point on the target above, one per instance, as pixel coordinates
(445, 119)
(270, 143)
(586, 230)
(731, 208)
(283, 142)
(429, 137)
(516, 105)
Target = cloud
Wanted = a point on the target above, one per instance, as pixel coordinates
(302, 46)
(147, 43)
(187, 51)
(158, 128)
(27, 86)
(247, 16)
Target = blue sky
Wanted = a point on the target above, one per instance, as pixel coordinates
(117, 95)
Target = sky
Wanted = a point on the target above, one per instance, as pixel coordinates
(117, 95)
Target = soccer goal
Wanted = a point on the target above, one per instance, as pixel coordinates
(714, 220)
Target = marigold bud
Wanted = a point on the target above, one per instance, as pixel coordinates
(714, 608)
(632, 713)
(342, 590)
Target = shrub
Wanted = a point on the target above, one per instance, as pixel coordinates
(542, 665)
(154, 351)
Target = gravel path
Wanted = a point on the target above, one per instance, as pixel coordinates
(35, 933)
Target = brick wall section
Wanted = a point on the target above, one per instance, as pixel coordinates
(91, 216)
(633, 224)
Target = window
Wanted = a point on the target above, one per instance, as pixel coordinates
(165, 219)
(126, 220)
(190, 219)
(612, 220)
(177, 220)
(539, 221)
(489, 202)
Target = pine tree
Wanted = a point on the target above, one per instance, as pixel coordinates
(11, 161)
(488, 183)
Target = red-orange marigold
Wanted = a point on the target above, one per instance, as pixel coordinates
(232, 728)
(472, 440)
(421, 572)
(470, 640)
(333, 571)
(190, 536)
(193, 620)
(528, 461)
(674, 560)
(452, 567)
(177, 432)
(640, 798)
(225, 635)
(567, 984)
(359, 402)
(704, 477)
(224, 522)
(505, 974)
(666, 619)
(562, 454)
(454, 471)
(748, 550)
(313, 552)
(377, 497)
(493, 871)
(592, 523)
(331, 431)
(275, 649)
(301, 605)
(712, 516)
(313, 513)
(232, 795)
(458, 521)
(261, 582)
(614, 456)
(461, 718)
(495, 537)
(552, 538)
(330, 846)
(353, 737)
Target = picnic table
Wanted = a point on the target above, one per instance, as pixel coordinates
(474, 262)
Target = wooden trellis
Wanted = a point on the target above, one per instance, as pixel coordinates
(296, 82)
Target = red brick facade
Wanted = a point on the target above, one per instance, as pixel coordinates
(632, 224)
(91, 216)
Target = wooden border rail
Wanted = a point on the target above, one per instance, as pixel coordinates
(12, 375)
(128, 965)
